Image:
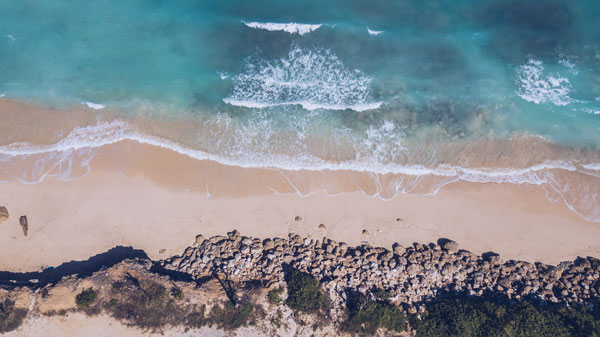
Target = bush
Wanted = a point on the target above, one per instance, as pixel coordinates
(365, 315)
(274, 296)
(144, 304)
(304, 291)
(86, 298)
(478, 317)
(230, 317)
(176, 293)
(10, 317)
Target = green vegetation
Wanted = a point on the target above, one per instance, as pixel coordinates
(86, 298)
(477, 317)
(304, 291)
(274, 295)
(10, 317)
(144, 304)
(176, 293)
(230, 317)
(366, 315)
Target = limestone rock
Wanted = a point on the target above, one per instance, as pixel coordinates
(199, 239)
(322, 226)
(24, 224)
(3, 214)
(398, 249)
(450, 246)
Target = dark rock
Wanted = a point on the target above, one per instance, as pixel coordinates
(3, 214)
(24, 224)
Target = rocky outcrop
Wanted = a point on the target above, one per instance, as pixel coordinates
(3, 214)
(412, 275)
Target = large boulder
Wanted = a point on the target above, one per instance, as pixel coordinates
(450, 246)
(3, 214)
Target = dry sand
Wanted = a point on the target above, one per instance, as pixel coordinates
(73, 220)
(153, 198)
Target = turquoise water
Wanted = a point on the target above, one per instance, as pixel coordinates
(434, 61)
(313, 84)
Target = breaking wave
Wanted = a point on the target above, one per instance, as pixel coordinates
(534, 85)
(292, 27)
(374, 154)
(312, 78)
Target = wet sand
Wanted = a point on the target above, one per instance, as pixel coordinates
(153, 209)
(153, 198)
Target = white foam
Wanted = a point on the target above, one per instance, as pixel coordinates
(593, 111)
(292, 27)
(2, 95)
(223, 75)
(374, 32)
(312, 78)
(95, 106)
(82, 141)
(592, 166)
(537, 87)
(107, 133)
(305, 105)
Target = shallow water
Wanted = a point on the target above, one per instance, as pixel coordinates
(447, 89)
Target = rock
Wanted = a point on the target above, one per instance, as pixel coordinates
(162, 250)
(199, 239)
(398, 249)
(365, 232)
(24, 224)
(3, 214)
(297, 218)
(450, 246)
(399, 219)
(234, 235)
(321, 226)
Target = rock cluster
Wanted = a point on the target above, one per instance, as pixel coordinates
(411, 275)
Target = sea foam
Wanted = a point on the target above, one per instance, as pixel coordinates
(292, 27)
(83, 140)
(313, 78)
(95, 106)
(374, 32)
(537, 87)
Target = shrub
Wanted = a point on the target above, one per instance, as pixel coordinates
(304, 291)
(274, 296)
(10, 317)
(460, 316)
(144, 304)
(366, 315)
(230, 317)
(176, 293)
(86, 298)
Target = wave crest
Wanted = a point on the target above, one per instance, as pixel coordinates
(312, 78)
(292, 27)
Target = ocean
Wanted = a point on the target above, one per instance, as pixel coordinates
(419, 94)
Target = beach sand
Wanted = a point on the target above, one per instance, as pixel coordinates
(152, 198)
(145, 202)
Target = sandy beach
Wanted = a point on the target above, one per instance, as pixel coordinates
(153, 198)
(149, 206)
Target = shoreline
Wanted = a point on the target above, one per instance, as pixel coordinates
(133, 194)
(72, 220)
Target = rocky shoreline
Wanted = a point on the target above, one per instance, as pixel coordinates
(298, 286)
(412, 275)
